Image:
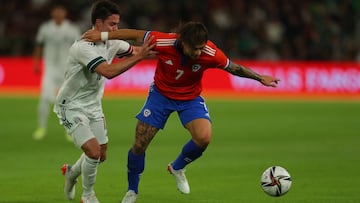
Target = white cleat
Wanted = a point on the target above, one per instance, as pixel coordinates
(130, 197)
(89, 199)
(181, 181)
(69, 186)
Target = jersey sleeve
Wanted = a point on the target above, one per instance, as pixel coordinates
(220, 60)
(125, 49)
(86, 55)
(149, 33)
(161, 40)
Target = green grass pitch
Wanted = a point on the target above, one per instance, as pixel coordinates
(317, 142)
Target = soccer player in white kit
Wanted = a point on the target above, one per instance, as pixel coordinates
(53, 41)
(78, 103)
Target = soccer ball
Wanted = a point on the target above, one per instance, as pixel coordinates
(276, 181)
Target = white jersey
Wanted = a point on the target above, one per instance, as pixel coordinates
(56, 41)
(83, 88)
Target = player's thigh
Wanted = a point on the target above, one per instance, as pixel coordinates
(156, 109)
(196, 118)
(76, 124)
(98, 127)
(200, 130)
(193, 109)
(82, 134)
(92, 138)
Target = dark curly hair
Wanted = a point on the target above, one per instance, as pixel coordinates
(102, 9)
(193, 33)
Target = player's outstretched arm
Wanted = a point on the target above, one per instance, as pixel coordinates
(112, 70)
(245, 72)
(37, 58)
(124, 34)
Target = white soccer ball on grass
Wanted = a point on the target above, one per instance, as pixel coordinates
(276, 181)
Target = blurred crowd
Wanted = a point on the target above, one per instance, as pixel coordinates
(243, 29)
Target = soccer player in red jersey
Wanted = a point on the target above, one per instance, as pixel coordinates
(182, 59)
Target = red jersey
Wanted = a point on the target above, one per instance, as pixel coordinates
(177, 76)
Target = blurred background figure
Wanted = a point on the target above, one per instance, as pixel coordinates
(244, 29)
(52, 44)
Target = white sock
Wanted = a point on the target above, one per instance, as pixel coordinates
(76, 168)
(89, 171)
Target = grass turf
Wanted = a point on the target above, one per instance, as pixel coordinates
(318, 142)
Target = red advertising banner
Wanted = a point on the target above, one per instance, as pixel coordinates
(297, 79)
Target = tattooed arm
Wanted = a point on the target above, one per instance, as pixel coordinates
(245, 72)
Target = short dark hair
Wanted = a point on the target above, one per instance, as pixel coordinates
(62, 6)
(193, 33)
(102, 9)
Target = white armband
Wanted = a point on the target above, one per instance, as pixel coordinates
(104, 36)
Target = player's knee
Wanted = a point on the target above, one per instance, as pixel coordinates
(203, 141)
(94, 153)
(103, 157)
(103, 152)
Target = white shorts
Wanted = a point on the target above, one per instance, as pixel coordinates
(81, 128)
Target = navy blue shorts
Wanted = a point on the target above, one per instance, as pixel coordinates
(158, 108)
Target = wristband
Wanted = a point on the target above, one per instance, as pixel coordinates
(104, 36)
